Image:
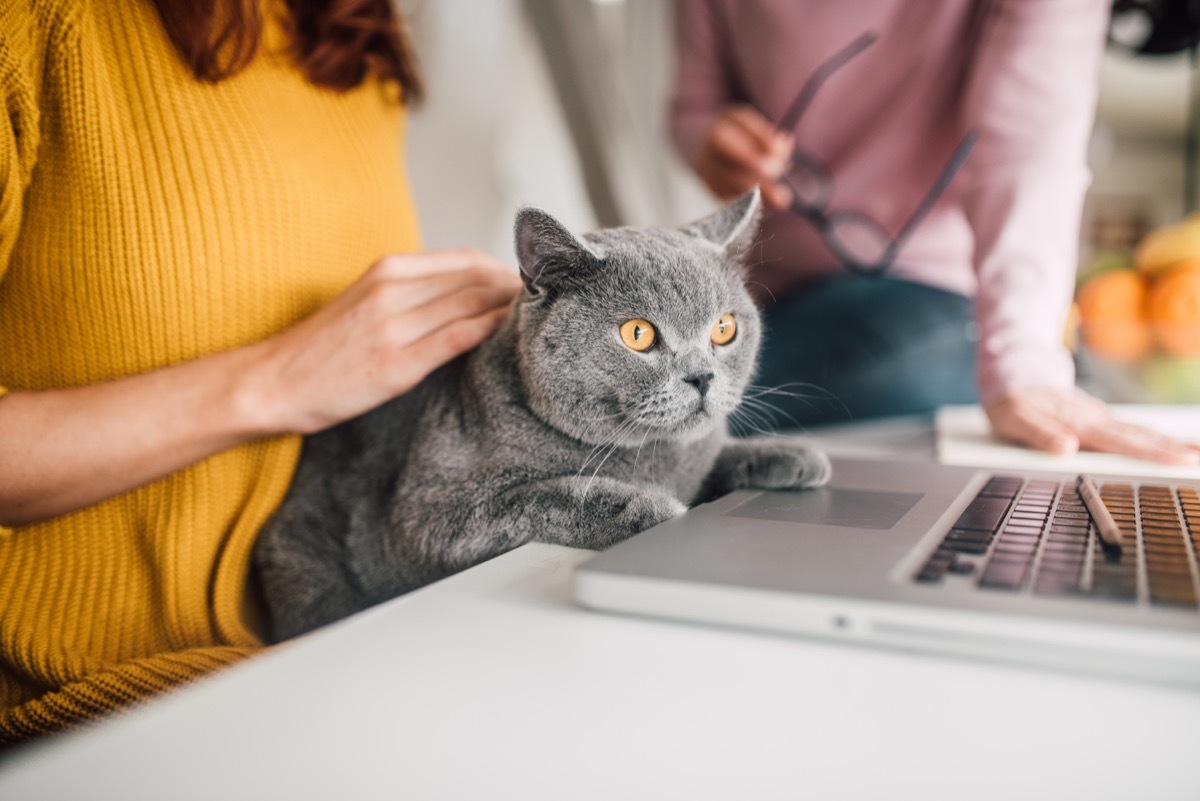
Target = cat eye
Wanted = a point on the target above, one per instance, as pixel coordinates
(638, 334)
(723, 330)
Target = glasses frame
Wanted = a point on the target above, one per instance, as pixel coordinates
(817, 213)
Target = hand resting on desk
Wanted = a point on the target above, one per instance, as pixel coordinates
(1063, 422)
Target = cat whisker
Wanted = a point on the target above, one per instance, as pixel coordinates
(815, 390)
(757, 418)
(757, 391)
(611, 450)
(641, 444)
(613, 437)
(654, 461)
(763, 416)
(765, 288)
(741, 424)
(613, 441)
(757, 425)
(607, 445)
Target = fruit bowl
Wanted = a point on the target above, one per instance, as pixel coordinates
(1153, 375)
(1137, 319)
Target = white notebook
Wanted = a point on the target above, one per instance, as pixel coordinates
(963, 437)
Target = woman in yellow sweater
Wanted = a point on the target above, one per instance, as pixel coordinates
(203, 216)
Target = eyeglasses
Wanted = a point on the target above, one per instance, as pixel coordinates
(861, 243)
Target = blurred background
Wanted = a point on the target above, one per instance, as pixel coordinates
(561, 104)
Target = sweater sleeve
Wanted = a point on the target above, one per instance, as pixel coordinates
(19, 131)
(1031, 97)
(703, 83)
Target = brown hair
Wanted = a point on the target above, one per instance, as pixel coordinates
(336, 43)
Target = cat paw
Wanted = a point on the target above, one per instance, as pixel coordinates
(645, 511)
(786, 465)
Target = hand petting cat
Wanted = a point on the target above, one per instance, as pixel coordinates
(405, 317)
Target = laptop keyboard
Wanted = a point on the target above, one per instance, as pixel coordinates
(1036, 536)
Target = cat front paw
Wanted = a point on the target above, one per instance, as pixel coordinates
(648, 510)
(784, 465)
(642, 510)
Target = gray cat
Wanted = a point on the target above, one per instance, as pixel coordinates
(597, 410)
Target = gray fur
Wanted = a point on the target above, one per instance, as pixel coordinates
(551, 431)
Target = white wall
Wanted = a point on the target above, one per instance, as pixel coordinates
(1138, 145)
(489, 138)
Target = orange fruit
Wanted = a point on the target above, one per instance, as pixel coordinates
(1112, 309)
(1170, 246)
(1173, 308)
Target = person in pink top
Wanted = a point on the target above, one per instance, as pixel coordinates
(924, 167)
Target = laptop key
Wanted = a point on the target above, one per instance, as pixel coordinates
(972, 548)
(1001, 487)
(962, 567)
(1056, 584)
(983, 514)
(1003, 575)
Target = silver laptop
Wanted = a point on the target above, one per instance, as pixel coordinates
(982, 563)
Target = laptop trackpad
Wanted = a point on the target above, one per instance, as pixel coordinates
(829, 506)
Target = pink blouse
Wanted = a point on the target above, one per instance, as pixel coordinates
(1020, 73)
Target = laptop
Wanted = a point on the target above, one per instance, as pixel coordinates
(1001, 565)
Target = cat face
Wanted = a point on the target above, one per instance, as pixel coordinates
(635, 334)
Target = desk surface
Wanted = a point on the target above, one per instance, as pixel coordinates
(493, 684)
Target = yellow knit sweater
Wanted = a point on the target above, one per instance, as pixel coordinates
(145, 219)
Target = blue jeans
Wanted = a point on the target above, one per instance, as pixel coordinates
(856, 347)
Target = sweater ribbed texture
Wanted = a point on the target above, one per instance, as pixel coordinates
(146, 219)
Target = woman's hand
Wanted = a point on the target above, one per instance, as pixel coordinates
(1063, 422)
(743, 150)
(407, 316)
(62, 450)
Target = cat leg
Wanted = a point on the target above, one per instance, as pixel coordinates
(304, 584)
(766, 464)
(583, 512)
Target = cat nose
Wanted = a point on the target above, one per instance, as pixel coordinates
(700, 381)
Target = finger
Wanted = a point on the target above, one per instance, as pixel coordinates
(726, 178)
(392, 296)
(429, 262)
(1139, 442)
(745, 151)
(776, 195)
(463, 303)
(423, 356)
(774, 143)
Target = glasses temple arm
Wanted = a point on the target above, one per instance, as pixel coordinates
(835, 62)
(936, 191)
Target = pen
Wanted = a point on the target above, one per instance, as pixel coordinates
(1110, 534)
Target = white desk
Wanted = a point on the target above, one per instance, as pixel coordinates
(492, 684)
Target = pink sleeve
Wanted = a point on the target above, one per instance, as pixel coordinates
(703, 83)
(1031, 96)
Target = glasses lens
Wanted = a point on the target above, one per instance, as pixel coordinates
(810, 183)
(858, 241)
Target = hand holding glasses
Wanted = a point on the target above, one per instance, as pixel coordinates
(862, 244)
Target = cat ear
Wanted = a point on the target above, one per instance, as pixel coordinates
(733, 227)
(547, 251)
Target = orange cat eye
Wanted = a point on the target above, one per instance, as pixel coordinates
(723, 330)
(638, 335)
